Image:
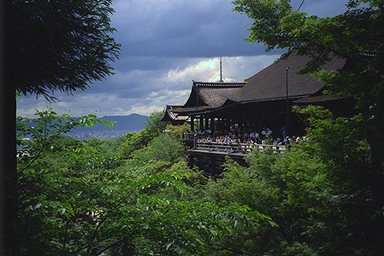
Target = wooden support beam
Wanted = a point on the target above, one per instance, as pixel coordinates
(192, 124)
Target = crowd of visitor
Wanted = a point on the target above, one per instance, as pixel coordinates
(236, 136)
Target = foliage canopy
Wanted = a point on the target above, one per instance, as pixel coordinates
(58, 45)
(95, 197)
(357, 36)
(83, 198)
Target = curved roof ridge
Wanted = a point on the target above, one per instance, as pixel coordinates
(219, 84)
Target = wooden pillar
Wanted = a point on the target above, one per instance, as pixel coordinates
(201, 123)
(206, 123)
(222, 124)
(192, 124)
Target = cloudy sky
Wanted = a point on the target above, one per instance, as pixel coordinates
(165, 45)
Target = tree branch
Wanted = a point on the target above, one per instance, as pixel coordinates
(302, 2)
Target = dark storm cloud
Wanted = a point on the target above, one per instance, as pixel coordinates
(189, 28)
(194, 28)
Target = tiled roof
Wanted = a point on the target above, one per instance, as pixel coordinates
(174, 115)
(217, 97)
(317, 99)
(270, 83)
(185, 110)
(171, 115)
(212, 95)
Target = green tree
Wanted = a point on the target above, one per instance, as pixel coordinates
(356, 36)
(154, 125)
(177, 131)
(77, 201)
(59, 45)
(134, 141)
(341, 144)
(50, 45)
(322, 194)
(351, 148)
(165, 148)
(108, 146)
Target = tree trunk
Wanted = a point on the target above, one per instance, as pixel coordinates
(8, 174)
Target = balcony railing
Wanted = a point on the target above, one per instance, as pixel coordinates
(240, 148)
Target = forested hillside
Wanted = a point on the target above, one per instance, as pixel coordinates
(136, 195)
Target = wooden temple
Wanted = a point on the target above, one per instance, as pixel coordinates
(263, 100)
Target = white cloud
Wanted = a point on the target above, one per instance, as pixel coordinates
(145, 110)
(200, 70)
(234, 69)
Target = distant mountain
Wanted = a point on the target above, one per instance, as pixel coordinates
(131, 123)
(123, 125)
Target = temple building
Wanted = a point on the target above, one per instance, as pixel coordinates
(263, 100)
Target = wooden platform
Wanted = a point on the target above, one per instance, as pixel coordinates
(210, 156)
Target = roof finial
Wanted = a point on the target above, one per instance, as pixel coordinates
(221, 71)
